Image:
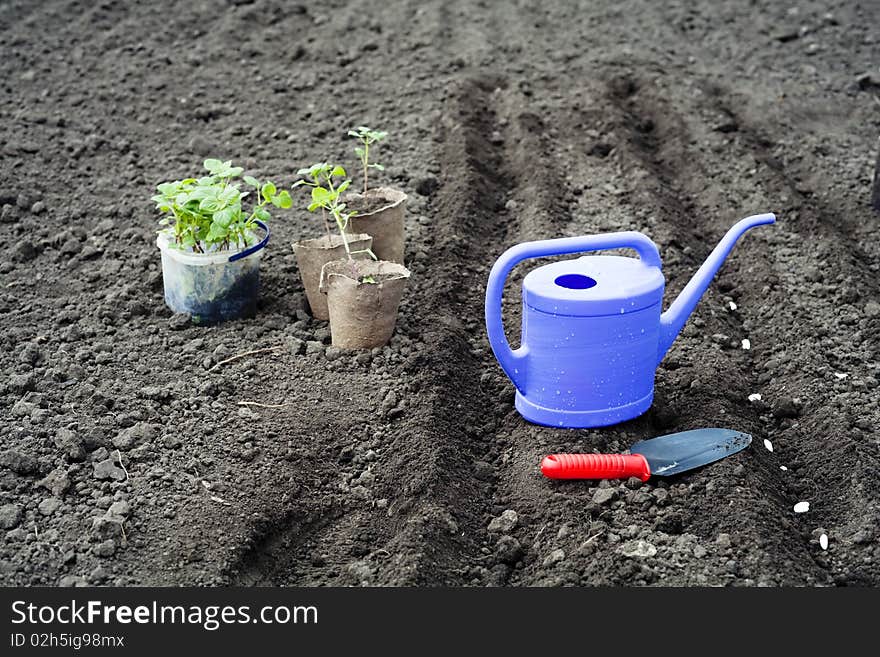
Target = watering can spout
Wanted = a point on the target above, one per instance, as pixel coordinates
(673, 320)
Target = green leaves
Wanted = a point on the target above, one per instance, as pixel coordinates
(207, 212)
(282, 200)
(222, 169)
(367, 136)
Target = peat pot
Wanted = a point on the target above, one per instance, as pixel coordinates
(212, 287)
(380, 215)
(312, 255)
(363, 314)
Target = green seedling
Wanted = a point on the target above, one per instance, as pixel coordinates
(367, 138)
(318, 175)
(206, 214)
(327, 189)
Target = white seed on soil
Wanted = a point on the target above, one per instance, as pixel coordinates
(801, 507)
(768, 445)
(841, 375)
(746, 343)
(755, 396)
(823, 541)
(732, 305)
(783, 468)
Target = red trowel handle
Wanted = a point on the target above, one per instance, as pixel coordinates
(595, 466)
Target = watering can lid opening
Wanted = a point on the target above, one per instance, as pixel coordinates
(593, 285)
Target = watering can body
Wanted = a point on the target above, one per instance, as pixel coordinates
(593, 330)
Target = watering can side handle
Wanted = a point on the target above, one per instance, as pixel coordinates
(513, 362)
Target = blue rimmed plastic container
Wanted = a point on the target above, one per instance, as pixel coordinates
(212, 287)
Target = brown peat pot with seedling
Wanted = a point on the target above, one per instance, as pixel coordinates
(379, 210)
(362, 295)
(313, 254)
(211, 247)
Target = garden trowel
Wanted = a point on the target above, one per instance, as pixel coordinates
(664, 456)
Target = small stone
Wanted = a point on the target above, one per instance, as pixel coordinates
(105, 549)
(70, 444)
(49, 506)
(8, 214)
(154, 392)
(38, 207)
(723, 541)
(22, 408)
(700, 551)
(508, 550)
(179, 321)
(634, 483)
(333, 353)
(22, 382)
(10, 516)
(70, 581)
(768, 445)
(661, 495)
(604, 496)
(637, 549)
(56, 482)
(755, 397)
(314, 347)
(746, 343)
(120, 508)
(172, 441)
(294, 345)
(136, 434)
(823, 541)
(98, 575)
(731, 305)
(24, 251)
(801, 507)
(104, 528)
(783, 468)
(872, 309)
(504, 523)
(107, 469)
(22, 464)
(71, 246)
(554, 557)
(840, 375)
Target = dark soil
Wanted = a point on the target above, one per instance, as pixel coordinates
(127, 455)
(367, 203)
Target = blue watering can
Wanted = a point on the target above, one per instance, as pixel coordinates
(592, 330)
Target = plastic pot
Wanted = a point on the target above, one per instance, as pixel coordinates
(312, 255)
(380, 215)
(212, 287)
(363, 315)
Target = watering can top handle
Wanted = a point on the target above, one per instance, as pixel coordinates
(256, 247)
(511, 361)
(646, 249)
